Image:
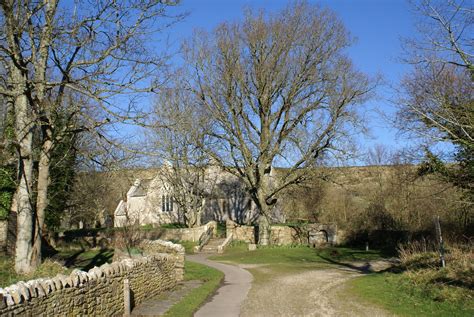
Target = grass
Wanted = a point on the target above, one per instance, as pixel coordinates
(395, 293)
(295, 255)
(189, 304)
(48, 268)
(402, 294)
(62, 262)
(188, 245)
(422, 287)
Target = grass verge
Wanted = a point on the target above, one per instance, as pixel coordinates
(295, 255)
(395, 293)
(189, 304)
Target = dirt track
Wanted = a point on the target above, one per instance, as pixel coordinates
(318, 292)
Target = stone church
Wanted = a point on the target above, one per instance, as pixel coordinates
(152, 202)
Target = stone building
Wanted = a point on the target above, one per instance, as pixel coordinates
(153, 201)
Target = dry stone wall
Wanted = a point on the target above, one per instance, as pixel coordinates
(313, 234)
(100, 291)
(3, 234)
(240, 232)
(175, 250)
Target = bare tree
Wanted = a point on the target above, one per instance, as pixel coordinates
(436, 98)
(437, 95)
(94, 50)
(180, 130)
(279, 90)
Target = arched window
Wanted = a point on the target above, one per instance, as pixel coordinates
(166, 203)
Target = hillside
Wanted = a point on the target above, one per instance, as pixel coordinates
(378, 197)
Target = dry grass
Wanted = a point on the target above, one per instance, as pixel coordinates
(422, 266)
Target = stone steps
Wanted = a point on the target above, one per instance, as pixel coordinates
(211, 246)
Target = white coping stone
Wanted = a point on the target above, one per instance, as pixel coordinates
(48, 286)
(9, 299)
(32, 289)
(74, 278)
(41, 291)
(24, 291)
(57, 282)
(92, 275)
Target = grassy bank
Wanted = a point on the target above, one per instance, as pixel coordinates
(397, 294)
(190, 303)
(421, 287)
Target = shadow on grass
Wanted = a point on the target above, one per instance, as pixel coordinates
(85, 260)
(366, 268)
(104, 256)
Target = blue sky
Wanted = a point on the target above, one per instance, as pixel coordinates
(377, 25)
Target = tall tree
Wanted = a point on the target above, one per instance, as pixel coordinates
(180, 133)
(96, 51)
(279, 89)
(437, 97)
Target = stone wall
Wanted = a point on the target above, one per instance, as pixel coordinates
(3, 234)
(176, 250)
(315, 233)
(104, 238)
(240, 232)
(100, 291)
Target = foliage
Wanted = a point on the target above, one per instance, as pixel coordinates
(190, 303)
(7, 189)
(221, 229)
(62, 173)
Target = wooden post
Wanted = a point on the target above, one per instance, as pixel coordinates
(440, 240)
(126, 298)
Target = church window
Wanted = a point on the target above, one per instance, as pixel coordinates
(166, 203)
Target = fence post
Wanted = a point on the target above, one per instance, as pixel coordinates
(126, 297)
(440, 240)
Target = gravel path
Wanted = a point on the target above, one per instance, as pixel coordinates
(317, 292)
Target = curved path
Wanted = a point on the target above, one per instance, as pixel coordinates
(229, 297)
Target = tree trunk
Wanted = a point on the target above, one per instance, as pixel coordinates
(25, 206)
(264, 207)
(263, 230)
(199, 212)
(42, 197)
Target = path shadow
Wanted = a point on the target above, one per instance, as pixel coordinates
(366, 268)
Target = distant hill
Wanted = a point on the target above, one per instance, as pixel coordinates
(353, 197)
